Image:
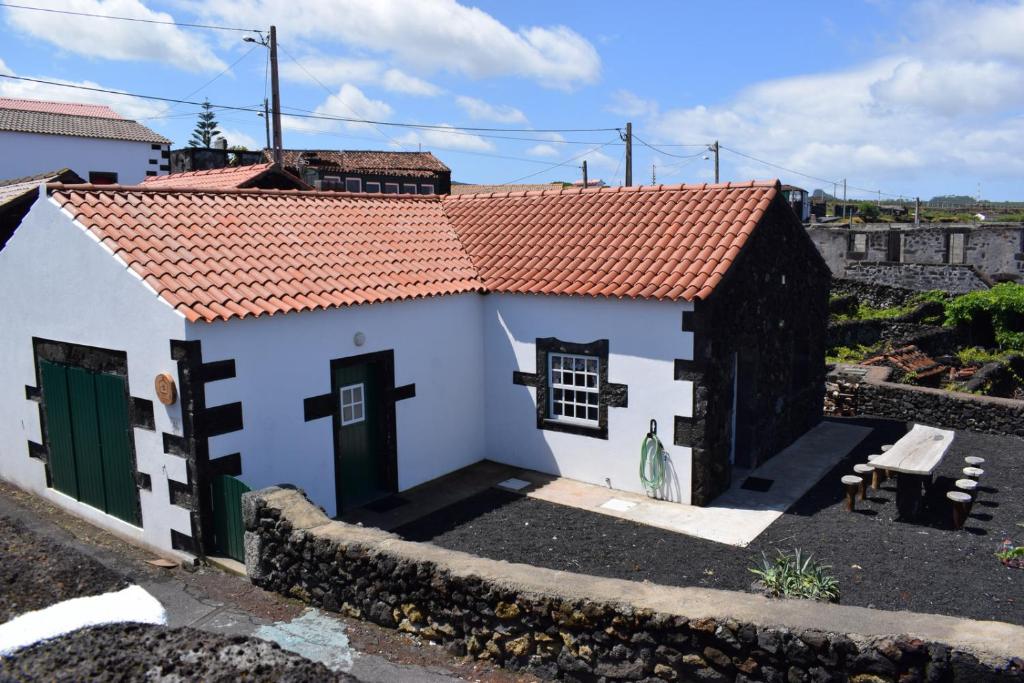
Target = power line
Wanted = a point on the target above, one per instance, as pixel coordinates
(204, 85)
(668, 154)
(561, 163)
(135, 19)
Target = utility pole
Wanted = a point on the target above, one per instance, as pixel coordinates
(628, 139)
(585, 181)
(654, 174)
(844, 198)
(714, 148)
(275, 94)
(917, 211)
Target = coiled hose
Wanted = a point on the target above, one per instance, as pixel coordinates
(652, 460)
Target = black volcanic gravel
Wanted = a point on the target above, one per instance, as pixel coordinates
(142, 652)
(880, 562)
(36, 572)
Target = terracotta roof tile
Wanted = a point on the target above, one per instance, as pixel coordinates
(72, 108)
(227, 178)
(220, 254)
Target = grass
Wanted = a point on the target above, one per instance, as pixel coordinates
(848, 354)
(794, 576)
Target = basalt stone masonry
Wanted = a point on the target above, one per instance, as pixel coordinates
(583, 628)
(923, 277)
(862, 390)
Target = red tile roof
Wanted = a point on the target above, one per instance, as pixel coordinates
(363, 161)
(71, 108)
(659, 242)
(216, 255)
(227, 178)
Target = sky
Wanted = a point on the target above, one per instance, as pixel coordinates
(907, 99)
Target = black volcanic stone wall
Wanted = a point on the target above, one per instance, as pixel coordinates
(350, 570)
(872, 293)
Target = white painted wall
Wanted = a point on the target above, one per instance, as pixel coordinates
(283, 359)
(57, 282)
(25, 154)
(645, 338)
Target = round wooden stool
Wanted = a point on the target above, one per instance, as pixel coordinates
(852, 484)
(973, 473)
(879, 475)
(968, 486)
(862, 471)
(974, 461)
(961, 507)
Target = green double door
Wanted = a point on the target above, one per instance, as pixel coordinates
(89, 438)
(358, 455)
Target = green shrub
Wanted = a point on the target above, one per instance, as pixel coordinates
(794, 576)
(1002, 307)
(847, 354)
(975, 355)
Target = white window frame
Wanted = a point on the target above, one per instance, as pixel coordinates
(356, 183)
(352, 396)
(410, 188)
(392, 188)
(554, 388)
(426, 188)
(372, 187)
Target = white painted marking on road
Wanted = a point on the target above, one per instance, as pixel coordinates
(133, 604)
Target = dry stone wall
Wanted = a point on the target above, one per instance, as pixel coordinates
(581, 628)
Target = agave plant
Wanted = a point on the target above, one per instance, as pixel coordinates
(796, 576)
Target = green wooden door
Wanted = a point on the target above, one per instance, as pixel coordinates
(358, 477)
(89, 438)
(228, 530)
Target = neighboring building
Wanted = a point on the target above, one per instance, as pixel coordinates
(208, 158)
(953, 256)
(470, 188)
(360, 345)
(94, 141)
(261, 176)
(799, 200)
(368, 171)
(18, 194)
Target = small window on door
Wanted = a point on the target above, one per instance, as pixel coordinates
(352, 408)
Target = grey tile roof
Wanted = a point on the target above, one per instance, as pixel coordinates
(48, 123)
(364, 161)
(15, 188)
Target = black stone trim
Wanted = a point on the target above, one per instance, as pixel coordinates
(316, 407)
(219, 419)
(230, 465)
(144, 481)
(217, 370)
(38, 451)
(199, 423)
(93, 359)
(180, 541)
(403, 392)
(689, 321)
(688, 370)
(180, 494)
(140, 412)
(611, 395)
(688, 431)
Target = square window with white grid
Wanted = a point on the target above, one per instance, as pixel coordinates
(574, 386)
(352, 407)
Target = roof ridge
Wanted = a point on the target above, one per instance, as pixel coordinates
(729, 185)
(142, 188)
(64, 113)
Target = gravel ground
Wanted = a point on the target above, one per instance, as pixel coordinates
(36, 572)
(880, 562)
(140, 652)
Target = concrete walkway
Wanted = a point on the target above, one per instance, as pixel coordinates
(739, 515)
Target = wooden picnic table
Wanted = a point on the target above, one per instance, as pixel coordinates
(915, 457)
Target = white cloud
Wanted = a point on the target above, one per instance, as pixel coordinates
(542, 150)
(552, 149)
(448, 138)
(236, 137)
(626, 103)
(427, 35)
(350, 102)
(118, 40)
(478, 110)
(129, 107)
(947, 104)
(335, 71)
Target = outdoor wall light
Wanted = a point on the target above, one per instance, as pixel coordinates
(359, 339)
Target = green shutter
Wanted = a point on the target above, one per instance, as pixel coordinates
(85, 430)
(58, 428)
(229, 533)
(114, 428)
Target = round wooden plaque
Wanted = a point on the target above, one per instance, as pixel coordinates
(166, 391)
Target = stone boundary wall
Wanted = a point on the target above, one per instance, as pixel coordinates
(871, 293)
(864, 390)
(907, 328)
(955, 279)
(584, 628)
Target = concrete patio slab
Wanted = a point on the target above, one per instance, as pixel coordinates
(739, 515)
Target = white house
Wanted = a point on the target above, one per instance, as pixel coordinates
(94, 141)
(169, 348)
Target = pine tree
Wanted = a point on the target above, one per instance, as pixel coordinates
(206, 127)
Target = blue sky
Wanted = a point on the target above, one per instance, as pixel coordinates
(907, 98)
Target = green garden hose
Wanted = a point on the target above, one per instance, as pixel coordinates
(652, 460)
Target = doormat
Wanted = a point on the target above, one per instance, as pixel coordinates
(759, 484)
(386, 504)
